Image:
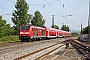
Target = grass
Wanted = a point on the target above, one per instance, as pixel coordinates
(9, 39)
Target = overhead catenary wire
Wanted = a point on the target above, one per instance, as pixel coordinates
(53, 7)
(7, 14)
(5, 9)
(6, 5)
(77, 4)
(57, 4)
(55, 1)
(76, 7)
(73, 15)
(46, 11)
(46, 4)
(11, 1)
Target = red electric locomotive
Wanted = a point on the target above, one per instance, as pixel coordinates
(29, 32)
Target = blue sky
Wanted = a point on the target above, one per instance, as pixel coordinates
(79, 9)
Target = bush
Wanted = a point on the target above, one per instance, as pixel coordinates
(9, 39)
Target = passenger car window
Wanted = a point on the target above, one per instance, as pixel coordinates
(43, 32)
(36, 32)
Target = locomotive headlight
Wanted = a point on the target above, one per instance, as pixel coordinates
(27, 33)
(21, 32)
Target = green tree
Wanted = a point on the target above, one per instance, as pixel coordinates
(65, 28)
(37, 19)
(5, 29)
(55, 26)
(85, 30)
(75, 34)
(20, 15)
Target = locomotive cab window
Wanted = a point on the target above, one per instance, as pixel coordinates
(25, 27)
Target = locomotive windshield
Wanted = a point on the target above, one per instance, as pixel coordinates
(25, 27)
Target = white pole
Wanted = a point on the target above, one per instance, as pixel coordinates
(89, 22)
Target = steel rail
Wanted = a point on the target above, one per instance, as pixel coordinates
(85, 55)
(87, 48)
(48, 52)
(35, 52)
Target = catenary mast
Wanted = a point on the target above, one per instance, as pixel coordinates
(89, 22)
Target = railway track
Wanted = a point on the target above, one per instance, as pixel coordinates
(36, 55)
(17, 50)
(40, 53)
(63, 53)
(8, 46)
(82, 49)
(12, 52)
